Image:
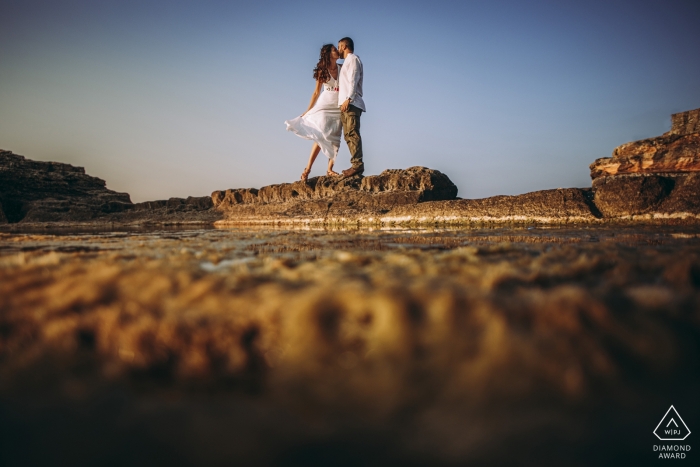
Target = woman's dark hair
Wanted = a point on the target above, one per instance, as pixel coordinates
(321, 72)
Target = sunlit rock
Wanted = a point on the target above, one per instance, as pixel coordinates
(676, 151)
(655, 177)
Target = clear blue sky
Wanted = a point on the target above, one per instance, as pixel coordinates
(176, 98)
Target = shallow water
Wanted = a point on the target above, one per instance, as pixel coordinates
(312, 347)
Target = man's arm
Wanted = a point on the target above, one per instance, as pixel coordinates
(354, 76)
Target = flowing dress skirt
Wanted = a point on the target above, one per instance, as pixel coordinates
(321, 124)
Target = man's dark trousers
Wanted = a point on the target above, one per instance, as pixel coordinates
(351, 129)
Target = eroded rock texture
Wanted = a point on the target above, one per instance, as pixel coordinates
(675, 151)
(415, 184)
(635, 194)
(685, 123)
(324, 197)
(34, 191)
(655, 177)
(414, 195)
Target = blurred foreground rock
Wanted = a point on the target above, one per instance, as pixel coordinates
(364, 347)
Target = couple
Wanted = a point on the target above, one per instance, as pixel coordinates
(338, 107)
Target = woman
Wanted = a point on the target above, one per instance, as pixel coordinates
(321, 121)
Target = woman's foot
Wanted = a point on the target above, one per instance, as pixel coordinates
(332, 173)
(305, 174)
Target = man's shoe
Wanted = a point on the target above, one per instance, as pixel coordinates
(352, 171)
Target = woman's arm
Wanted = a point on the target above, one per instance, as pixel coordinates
(314, 96)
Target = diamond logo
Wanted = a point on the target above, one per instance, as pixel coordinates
(672, 427)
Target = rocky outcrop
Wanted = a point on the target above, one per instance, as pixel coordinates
(386, 190)
(655, 177)
(33, 191)
(335, 199)
(685, 123)
(676, 151)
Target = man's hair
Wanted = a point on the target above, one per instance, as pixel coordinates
(348, 43)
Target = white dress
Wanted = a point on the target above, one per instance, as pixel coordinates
(322, 122)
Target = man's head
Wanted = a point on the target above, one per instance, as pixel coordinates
(345, 47)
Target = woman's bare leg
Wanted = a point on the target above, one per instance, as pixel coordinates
(312, 157)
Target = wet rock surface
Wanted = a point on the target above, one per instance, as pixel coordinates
(317, 347)
(34, 191)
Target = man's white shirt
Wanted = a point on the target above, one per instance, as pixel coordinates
(350, 82)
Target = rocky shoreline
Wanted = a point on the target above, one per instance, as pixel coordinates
(655, 180)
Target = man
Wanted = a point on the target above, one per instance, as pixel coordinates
(351, 104)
